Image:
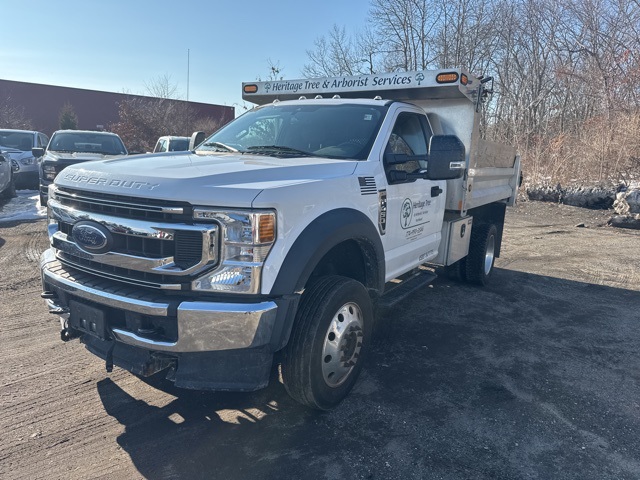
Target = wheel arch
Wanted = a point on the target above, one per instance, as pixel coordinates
(492, 213)
(343, 242)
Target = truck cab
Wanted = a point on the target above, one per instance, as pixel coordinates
(275, 239)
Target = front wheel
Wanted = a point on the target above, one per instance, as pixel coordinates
(330, 338)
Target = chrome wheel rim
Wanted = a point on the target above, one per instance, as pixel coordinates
(489, 254)
(342, 344)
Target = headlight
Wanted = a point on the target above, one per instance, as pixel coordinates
(27, 161)
(246, 239)
(49, 172)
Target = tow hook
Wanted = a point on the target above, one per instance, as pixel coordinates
(67, 334)
(59, 310)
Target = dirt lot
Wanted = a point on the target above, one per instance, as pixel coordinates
(536, 376)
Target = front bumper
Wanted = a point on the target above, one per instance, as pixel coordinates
(202, 326)
(26, 178)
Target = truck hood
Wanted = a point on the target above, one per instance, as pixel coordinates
(14, 153)
(232, 180)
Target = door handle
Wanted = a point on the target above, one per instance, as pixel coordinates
(435, 191)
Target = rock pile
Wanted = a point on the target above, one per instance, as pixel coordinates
(624, 200)
(595, 197)
(627, 208)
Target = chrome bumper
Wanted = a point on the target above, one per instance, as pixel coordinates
(202, 326)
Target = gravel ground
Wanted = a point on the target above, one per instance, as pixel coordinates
(536, 376)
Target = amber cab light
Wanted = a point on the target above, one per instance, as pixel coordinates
(450, 77)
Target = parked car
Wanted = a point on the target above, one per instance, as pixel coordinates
(18, 145)
(68, 147)
(171, 144)
(7, 183)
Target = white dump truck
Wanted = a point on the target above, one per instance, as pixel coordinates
(274, 240)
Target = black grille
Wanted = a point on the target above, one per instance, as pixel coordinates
(135, 277)
(124, 206)
(188, 248)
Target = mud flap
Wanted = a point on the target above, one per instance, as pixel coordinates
(109, 357)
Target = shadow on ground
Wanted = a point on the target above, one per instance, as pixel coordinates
(532, 377)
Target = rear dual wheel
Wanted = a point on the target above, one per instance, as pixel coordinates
(477, 266)
(330, 338)
(482, 253)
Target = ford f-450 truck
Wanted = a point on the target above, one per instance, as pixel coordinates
(273, 241)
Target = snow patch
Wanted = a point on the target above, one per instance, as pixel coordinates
(25, 206)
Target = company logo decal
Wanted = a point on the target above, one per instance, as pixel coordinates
(414, 215)
(407, 213)
(92, 237)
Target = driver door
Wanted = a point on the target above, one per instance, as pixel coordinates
(415, 207)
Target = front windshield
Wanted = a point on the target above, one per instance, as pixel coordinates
(87, 142)
(343, 131)
(19, 140)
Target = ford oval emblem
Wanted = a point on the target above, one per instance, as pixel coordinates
(92, 237)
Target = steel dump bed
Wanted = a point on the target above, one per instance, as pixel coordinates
(452, 100)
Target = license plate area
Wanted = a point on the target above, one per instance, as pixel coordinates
(88, 319)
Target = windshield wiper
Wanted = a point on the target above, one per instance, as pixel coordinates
(278, 150)
(220, 145)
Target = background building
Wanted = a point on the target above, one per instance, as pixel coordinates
(95, 110)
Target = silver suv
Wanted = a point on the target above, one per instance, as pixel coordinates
(17, 145)
(7, 184)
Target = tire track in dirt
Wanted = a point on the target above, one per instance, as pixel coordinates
(440, 365)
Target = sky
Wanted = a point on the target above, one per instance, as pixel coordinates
(123, 46)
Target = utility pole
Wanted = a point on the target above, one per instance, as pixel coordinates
(188, 55)
(188, 109)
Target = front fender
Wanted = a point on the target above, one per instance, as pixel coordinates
(320, 236)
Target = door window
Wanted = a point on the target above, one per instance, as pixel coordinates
(409, 137)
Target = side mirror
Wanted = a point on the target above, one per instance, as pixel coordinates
(446, 158)
(196, 139)
(37, 152)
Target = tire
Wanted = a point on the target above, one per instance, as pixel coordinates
(482, 248)
(10, 191)
(335, 317)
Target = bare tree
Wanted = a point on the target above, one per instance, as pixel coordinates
(13, 115)
(341, 54)
(162, 87)
(566, 72)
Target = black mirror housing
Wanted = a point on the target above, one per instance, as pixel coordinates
(446, 158)
(196, 139)
(37, 152)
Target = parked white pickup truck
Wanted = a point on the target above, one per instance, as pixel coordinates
(276, 237)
